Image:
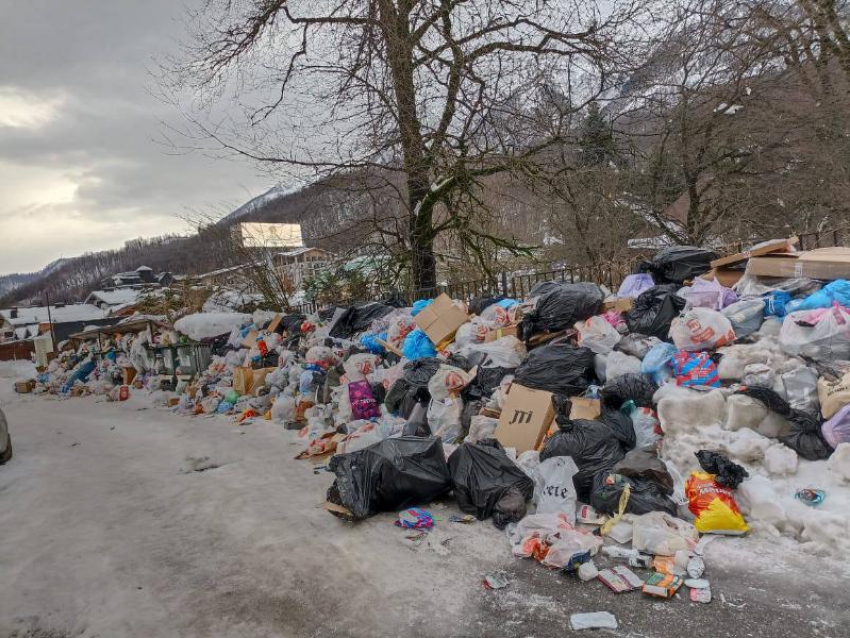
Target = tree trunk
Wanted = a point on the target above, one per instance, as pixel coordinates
(423, 262)
(396, 29)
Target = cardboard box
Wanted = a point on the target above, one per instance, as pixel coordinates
(525, 419)
(775, 265)
(823, 263)
(441, 319)
(589, 409)
(725, 276)
(775, 246)
(274, 324)
(498, 333)
(129, 374)
(662, 585)
(243, 380)
(621, 304)
(24, 387)
(250, 340)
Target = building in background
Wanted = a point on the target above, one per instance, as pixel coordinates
(295, 266)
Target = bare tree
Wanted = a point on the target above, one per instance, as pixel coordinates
(440, 91)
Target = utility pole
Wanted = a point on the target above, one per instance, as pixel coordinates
(50, 321)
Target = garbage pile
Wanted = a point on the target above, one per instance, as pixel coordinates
(707, 396)
(106, 365)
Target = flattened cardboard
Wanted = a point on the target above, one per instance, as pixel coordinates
(775, 246)
(525, 419)
(725, 276)
(621, 304)
(498, 333)
(775, 265)
(441, 319)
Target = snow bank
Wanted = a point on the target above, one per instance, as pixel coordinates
(210, 324)
(738, 428)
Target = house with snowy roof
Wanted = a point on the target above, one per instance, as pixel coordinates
(143, 276)
(117, 302)
(20, 323)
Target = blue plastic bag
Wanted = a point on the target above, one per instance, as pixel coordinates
(370, 342)
(417, 345)
(656, 363)
(420, 305)
(775, 302)
(836, 292)
(507, 304)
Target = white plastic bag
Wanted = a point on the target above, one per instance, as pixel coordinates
(827, 340)
(444, 418)
(283, 409)
(554, 491)
(701, 329)
(447, 381)
(661, 534)
(597, 334)
(481, 427)
(620, 363)
(507, 352)
(359, 366)
(645, 423)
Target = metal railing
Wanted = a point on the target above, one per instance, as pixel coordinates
(517, 285)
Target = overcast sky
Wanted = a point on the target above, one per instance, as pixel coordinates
(79, 168)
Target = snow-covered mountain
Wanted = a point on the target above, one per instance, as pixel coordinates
(10, 282)
(254, 205)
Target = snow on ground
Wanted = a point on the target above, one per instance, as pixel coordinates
(116, 523)
(209, 324)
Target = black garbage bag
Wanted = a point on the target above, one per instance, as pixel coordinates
(402, 398)
(419, 371)
(389, 476)
(395, 300)
(471, 408)
(511, 508)
(726, 473)
(591, 444)
(482, 473)
(480, 304)
(643, 464)
(806, 439)
(621, 427)
(544, 287)
(357, 318)
(417, 422)
(485, 381)
(632, 386)
(460, 361)
(645, 495)
(327, 313)
(559, 368)
(654, 311)
(291, 323)
(560, 308)
(676, 264)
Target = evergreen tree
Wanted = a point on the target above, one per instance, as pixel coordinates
(596, 140)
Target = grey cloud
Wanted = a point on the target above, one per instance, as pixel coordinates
(96, 56)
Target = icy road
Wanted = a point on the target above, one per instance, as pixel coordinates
(109, 530)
